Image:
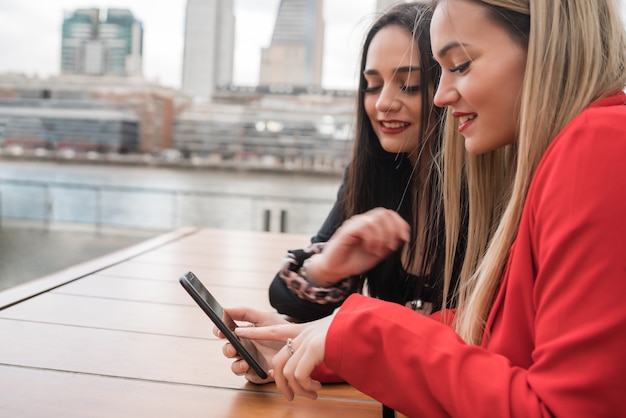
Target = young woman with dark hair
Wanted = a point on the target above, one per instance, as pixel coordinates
(397, 141)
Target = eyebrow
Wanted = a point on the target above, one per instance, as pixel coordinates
(406, 69)
(447, 47)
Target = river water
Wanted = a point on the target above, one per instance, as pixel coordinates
(156, 198)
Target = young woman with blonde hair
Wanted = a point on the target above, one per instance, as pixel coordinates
(540, 330)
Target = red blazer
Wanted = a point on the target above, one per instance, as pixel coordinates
(555, 340)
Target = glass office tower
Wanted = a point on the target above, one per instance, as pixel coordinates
(295, 55)
(94, 46)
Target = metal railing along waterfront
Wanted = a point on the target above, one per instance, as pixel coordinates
(153, 208)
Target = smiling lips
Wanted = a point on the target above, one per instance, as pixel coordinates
(465, 119)
(393, 126)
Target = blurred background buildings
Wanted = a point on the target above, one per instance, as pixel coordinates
(101, 108)
(89, 155)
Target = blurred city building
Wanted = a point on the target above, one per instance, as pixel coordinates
(293, 128)
(283, 128)
(92, 46)
(68, 125)
(294, 56)
(208, 54)
(153, 108)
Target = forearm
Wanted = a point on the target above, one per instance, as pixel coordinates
(298, 309)
(294, 295)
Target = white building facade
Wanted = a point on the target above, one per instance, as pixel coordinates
(208, 55)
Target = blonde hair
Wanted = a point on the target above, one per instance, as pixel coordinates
(576, 55)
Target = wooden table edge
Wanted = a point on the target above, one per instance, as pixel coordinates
(20, 293)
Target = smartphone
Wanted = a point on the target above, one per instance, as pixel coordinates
(221, 319)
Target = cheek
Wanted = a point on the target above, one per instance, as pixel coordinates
(510, 78)
(414, 106)
(511, 97)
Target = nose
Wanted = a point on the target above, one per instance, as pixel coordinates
(388, 100)
(446, 93)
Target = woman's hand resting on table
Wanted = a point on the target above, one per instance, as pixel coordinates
(266, 340)
(357, 246)
(291, 367)
(263, 351)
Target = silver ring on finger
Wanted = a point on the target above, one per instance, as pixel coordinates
(289, 346)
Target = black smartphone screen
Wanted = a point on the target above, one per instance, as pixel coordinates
(221, 319)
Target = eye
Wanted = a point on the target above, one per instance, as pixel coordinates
(372, 89)
(412, 89)
(461, 68)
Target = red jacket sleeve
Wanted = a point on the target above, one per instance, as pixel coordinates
(325, 375)
(410, 362)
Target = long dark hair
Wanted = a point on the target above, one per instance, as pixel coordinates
(377, 178)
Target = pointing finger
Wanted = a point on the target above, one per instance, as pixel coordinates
(275, 332)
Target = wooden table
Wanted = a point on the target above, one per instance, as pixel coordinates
(119, 337)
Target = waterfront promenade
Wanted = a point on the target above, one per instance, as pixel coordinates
(47, 220)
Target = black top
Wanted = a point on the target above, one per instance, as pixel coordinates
(283, 300)
(403, 288)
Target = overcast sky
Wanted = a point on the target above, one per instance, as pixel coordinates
(30, 36)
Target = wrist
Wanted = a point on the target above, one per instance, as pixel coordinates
(313, 271)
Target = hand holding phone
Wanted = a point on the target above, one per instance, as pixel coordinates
(220, 318)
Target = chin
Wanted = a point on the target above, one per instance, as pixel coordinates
(484, 146)
(474, 147)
